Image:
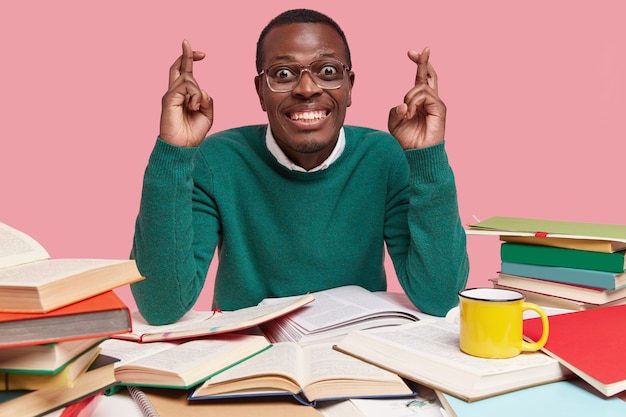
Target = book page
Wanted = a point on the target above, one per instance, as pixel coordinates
(322, 362)
(281, 359)
(39, 273)
(438, 340)
(210, 322)
(341, 305)
(17, 247)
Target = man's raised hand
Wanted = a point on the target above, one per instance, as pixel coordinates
(187, 110)
(420, 120)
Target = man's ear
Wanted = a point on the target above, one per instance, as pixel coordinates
(351, 80)
(258, 85)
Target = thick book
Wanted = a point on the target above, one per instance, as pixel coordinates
(552, 301)
(569, 258)
(607, 246)
(571, 398)
(541, 228)
(180, 365)
(48, 358)
(428, 352)
(573, 292)
(207, 323)
(64, 378)
(98, 378)
(31, 282)
(334, 313)
(309, 373)
(99, 316)
(590, 343)
(586, 277)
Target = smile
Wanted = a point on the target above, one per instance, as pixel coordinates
(308, 115)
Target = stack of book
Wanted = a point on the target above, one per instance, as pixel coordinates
(54, 314)
(572, 265)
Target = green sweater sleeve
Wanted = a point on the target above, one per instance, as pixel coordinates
(163, 244)
(434, 265)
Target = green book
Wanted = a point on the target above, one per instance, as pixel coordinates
(597, 237)
(549, 228)
(562, 257)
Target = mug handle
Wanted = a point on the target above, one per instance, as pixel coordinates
(546, 328)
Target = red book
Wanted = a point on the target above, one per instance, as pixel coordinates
(98, 316)
(591, 343)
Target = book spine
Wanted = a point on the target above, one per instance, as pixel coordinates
(569, 258)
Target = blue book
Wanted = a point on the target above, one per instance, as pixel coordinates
(571, 398)
(584, 277)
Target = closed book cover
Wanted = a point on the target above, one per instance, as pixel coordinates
(520, 226)
(102, 315)
(586, 277)
(590, 343)
(65, 378)
(45, 358)
(98, 378)
(570, 258)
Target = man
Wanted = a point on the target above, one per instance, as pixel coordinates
(305, 203)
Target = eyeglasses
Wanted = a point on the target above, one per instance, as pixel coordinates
(326, 73)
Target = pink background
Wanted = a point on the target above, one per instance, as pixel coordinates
(535, 94)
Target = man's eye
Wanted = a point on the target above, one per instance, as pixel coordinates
(284, 74)
(328, 71)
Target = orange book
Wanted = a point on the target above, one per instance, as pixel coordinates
(99, 316)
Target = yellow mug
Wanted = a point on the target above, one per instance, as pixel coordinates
(491, 323)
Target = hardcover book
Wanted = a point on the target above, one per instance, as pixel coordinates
(99, 316)
(541, 228)
(569, 258)
(309, 373)
(206, 323)
(180, 365)
(428, 352)
(31, 282)
(585, 277)
(590, 343)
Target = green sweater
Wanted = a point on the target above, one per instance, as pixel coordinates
(280, 232)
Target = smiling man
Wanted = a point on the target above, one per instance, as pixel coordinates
(305, 202)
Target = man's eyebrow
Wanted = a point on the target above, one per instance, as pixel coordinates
(293, 58)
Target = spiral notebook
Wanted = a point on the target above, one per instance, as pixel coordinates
(156, 402)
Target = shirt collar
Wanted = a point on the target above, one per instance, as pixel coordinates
(280, 156)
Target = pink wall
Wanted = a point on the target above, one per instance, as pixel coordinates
(535, 94)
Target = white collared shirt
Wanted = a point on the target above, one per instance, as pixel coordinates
(280, 156)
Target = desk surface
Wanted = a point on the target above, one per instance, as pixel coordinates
(572, 398)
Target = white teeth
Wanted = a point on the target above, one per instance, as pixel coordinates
(309, 115)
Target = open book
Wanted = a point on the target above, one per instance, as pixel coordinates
(180, 365)
(309, 373)
(334, 313)
(205, 323)
(32, 282)
(428, 352)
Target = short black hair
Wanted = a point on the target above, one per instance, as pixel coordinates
(299, 16)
